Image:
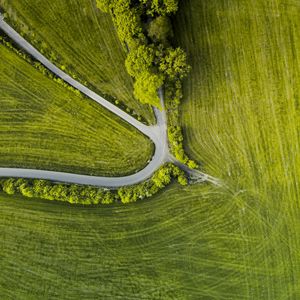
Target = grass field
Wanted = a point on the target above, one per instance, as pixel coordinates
(45, 126)
(241, 120)
(241, 113)
(83, 39)
(191, 243)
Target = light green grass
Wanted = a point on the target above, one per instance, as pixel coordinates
(241, 113)
(241, 121)
(241, 118)
(45, 126)
(83, 39)
(186, 243)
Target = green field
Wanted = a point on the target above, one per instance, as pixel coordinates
(45, 126)
(241, 114)
(240, 241)
(191, 243)
(81, 38)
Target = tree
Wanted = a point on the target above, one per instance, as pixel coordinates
(160, 7)
(146, 88)
(162, 177)
(27, 190)
(160, 29)
(139, 60)
(174, 64)
(127, 20)
(9, 186)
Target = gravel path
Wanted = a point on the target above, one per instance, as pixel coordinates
(157, 133)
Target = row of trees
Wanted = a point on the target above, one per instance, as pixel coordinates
(87, 195)
(144, 27)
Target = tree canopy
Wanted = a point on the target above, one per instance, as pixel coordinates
(160, 7)
(146, 88)
(160, 29)
(139, 60)
(174, 64)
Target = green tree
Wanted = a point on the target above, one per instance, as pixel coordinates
(160, 29)
(9, 186)
(160, 7)
(139, 60)
(174, 64)
(162, 177)
(146, 88)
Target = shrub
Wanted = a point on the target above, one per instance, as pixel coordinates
(160, 29)
(146, 88)
(139, 60)
(88, 195)
(159, 7)
(174, 64)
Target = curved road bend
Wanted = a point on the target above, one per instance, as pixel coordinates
(157, 133)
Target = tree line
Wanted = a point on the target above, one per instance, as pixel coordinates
(88, 195)
(145, 29)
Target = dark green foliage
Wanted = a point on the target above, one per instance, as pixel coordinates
(174, 64)
(160, 30)
(139, 60)
(173, 96)
(161, 178)
(160, 7)
(126, 18)
(88, 195)
(150, 62)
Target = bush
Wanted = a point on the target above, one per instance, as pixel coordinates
(139, 60)
(159, 7)
(174, 64)
(160, 29)
(146, 88)
(88, 195)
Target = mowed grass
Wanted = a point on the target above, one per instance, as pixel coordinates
(45, 126)
(186, 243)
(241, 121)
(240, 241)
(83, 39)
(241, 113)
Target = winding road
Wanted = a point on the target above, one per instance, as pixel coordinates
(157, 133)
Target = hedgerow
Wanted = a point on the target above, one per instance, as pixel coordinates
(88, 195)
(144, 27)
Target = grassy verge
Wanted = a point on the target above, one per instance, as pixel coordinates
(45, 126)
(79, 38)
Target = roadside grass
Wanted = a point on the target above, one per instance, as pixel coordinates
(196, 242)
(82, 39)
(45, 126)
